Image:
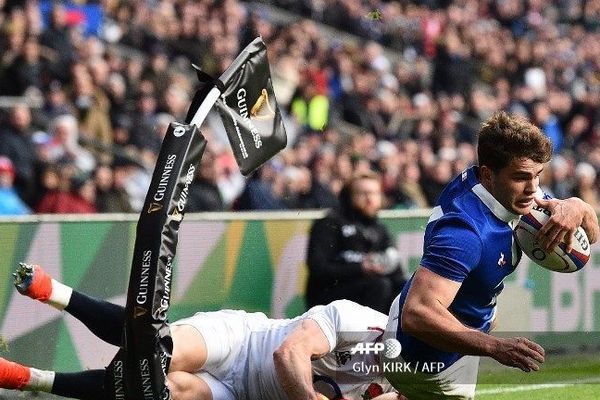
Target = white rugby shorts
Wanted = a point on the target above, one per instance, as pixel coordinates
(225, 335)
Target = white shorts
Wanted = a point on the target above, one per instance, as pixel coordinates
(218, 390)
(458, 381)
(225, 334)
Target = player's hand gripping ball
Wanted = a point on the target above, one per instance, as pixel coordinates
(557, 260)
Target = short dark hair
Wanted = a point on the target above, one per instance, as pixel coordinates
(503, 138)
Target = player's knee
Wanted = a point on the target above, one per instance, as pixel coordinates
(176, 385)
(186, 386)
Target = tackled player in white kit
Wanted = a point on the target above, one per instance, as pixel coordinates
(225, 355)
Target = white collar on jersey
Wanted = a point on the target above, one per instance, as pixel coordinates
(494, 205)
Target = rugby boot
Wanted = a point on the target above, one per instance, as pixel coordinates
(13, 375)
(32, 281)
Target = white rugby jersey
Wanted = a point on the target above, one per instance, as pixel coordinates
(344, 323)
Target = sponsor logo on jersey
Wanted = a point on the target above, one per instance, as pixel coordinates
(348, 230)
(501, 260)
(342, 357)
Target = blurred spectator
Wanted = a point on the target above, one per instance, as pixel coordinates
(56, 37)
(111, 196)
(263, 190)
(63, 145)
(16, 143)
(350, 252)
(204, 193)
(408, 192)
(304, 191)
(310, 105)
(77, 196)
(454, 69)
(586, 186)
(134, 178)
(10, 202)
(28, 70)
(92, 108)
(144, 118)
(549, 124)
(436, 176)
(55, 103)
(561, 185)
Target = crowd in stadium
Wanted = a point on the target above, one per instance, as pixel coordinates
(399, 87)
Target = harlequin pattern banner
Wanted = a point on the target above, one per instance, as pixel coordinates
(252, 264)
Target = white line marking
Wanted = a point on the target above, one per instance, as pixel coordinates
(539, 386)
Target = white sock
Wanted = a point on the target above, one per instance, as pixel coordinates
(61, 295)
(40, 381)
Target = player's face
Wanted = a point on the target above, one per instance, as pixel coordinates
(366, 196)
(514, 186)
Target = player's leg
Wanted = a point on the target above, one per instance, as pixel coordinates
(85, 385)
(201, 386)
(103, 319)
(208, 342)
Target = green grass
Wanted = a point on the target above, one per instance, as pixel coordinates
(560, 377)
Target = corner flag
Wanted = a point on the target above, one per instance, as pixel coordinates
(248, 108)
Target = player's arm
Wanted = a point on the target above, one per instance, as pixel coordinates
(566, 216)
(426, 316)
(293, 359)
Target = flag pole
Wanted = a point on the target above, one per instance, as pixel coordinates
(205, 107)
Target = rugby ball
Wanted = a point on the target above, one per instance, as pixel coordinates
(557, 260)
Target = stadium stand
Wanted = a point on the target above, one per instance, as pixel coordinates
(398, 87)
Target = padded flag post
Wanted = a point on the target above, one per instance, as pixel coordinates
(244, 96)
(139, 369)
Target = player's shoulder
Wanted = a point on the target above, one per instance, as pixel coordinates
(454, 221)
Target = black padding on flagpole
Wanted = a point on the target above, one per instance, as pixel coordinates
(139, 369)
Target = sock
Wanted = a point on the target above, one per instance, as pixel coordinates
(103, 319)
(84, 385)
(60, 296)
(40, 381)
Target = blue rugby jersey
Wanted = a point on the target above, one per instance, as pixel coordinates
(468, 239)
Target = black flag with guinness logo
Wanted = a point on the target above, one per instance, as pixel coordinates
(249, 110)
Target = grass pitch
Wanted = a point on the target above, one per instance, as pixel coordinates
(572, 377)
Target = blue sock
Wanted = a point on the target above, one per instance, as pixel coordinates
(103, 319)
(84, 385)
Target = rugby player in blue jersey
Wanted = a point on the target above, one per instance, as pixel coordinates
(444, 314)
